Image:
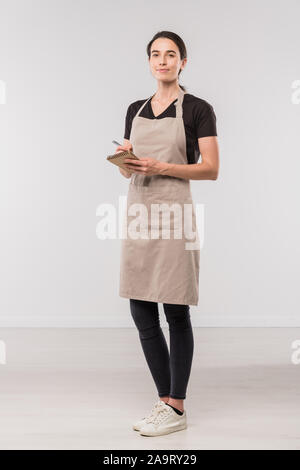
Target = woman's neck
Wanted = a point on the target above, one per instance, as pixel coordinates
(165, 94)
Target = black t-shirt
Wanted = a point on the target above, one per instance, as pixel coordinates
(198, 117)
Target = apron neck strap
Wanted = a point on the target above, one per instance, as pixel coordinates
(179, 102)
(144, 104)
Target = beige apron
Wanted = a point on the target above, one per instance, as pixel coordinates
(158, 268)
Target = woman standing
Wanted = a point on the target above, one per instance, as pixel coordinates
(167, 131)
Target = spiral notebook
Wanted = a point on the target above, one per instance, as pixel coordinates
(118, 158)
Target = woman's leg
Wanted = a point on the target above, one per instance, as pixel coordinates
(146, 317)
(181, 350)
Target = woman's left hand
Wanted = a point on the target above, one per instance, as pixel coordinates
(145, 166)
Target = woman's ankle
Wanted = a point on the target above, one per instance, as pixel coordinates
(165, 399)
(176, 403)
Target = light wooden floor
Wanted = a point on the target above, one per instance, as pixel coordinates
(83, 388)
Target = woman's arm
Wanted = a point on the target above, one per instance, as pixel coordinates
(208, 169)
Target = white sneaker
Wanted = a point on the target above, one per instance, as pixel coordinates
(138, 424)
(164, 421)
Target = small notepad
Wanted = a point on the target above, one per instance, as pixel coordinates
(118, 158)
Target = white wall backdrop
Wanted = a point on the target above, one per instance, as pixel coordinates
(69, 69)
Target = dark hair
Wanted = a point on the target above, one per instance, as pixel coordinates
(178, 41)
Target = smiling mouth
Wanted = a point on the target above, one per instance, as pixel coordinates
(164, 70)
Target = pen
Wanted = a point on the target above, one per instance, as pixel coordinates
(115, 142)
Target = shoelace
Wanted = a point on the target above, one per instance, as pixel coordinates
(159, 416)
(154, 412)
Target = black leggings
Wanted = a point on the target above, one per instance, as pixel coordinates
(170, 372)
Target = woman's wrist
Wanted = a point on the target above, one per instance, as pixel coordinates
(125, 173)
(164, 167)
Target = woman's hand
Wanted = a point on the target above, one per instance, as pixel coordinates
(145, 166)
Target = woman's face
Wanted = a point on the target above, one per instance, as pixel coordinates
(164, 60)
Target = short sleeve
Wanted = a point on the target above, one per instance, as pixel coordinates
(128, 122)
(205, 120)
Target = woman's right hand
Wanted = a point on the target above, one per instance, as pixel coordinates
(122, 148)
